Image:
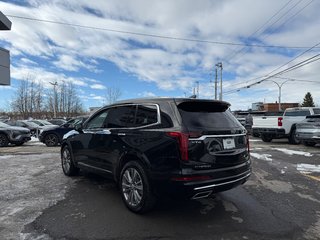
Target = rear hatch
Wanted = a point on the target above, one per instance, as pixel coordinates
(216, 139)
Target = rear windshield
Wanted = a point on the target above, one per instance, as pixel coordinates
(207, 116)
(316, 110)
(297, 113)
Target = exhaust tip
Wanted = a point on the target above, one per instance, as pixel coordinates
(202, 195)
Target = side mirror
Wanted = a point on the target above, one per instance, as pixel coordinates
(78, 127)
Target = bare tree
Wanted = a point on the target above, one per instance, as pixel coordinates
(112, 95)
(31, 100)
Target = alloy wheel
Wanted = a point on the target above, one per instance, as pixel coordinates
(51, 140)
(132, 187)
(66, 160)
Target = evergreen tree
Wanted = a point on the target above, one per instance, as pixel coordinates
(308, 100)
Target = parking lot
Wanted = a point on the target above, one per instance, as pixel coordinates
(280, 201)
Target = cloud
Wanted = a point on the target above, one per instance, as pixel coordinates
(65, 53)
(98, 86)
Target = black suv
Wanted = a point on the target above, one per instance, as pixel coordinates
(53, 136)
(185, 147)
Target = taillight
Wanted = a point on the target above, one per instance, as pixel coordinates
(183, 141)
(280, 122)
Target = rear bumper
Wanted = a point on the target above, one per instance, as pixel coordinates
(312, 137)
(218, 181)
(275, 132)
(20, 138)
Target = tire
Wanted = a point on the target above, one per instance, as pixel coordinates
(309, 144)
(4, 141)
(67, 163)
(51, 140)
(19, 143)
(266, 137)
(292, 138)
(135, 188)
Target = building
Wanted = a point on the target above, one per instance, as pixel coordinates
(5, 24)
(274, 107)
(257, 106)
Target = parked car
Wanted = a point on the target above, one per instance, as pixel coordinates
(43, 123)
(53, 136)
(308, 131)
(34, 128)
(13, 135)
(273, 127)
(188, 148)
(57, 121)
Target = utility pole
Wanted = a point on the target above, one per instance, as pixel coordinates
(197, 82)
(216, 83)
(55, 98)
(219, 65)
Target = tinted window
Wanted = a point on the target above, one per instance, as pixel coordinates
(298, 113)
(98, 121)
(207, 116)
(146, 115)
(121, 117)
(316, 110)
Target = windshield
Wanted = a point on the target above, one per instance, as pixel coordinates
(4, 124)
(31, 124)
(46, 122)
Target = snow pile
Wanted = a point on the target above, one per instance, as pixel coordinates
(293, 152)
(302, 167)
(265, 157)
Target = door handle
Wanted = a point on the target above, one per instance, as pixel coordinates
(121, 134)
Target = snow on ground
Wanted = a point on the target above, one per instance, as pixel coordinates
(293, 152)
(265, 157)
(28, 185)
(35, 141)
(308, 168)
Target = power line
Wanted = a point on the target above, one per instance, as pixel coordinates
(156, 35)
(314, 46)
(296, 66)
(299, 80)
(257, 30)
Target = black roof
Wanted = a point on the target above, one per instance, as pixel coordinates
(167, 99)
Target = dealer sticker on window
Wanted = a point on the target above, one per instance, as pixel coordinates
(228, 143)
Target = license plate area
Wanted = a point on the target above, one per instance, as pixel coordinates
(228, 143)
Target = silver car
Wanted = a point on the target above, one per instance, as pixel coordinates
(308, 131)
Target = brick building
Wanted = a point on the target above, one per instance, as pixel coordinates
(274, 107)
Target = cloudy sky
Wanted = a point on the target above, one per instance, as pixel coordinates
(150, 48)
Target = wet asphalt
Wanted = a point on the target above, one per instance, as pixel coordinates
(280, 201)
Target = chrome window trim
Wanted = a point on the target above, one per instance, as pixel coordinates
(131, 104)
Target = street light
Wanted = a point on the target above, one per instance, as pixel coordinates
(55, 98)
(279, 86)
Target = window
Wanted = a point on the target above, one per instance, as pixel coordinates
(121, 117)
(298, 113)
(316, 110)
(98, 121)
(207, 116)
(146, 115)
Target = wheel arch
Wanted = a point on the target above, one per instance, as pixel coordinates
(127, 157)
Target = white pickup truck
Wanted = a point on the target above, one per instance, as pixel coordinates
(272, 127)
